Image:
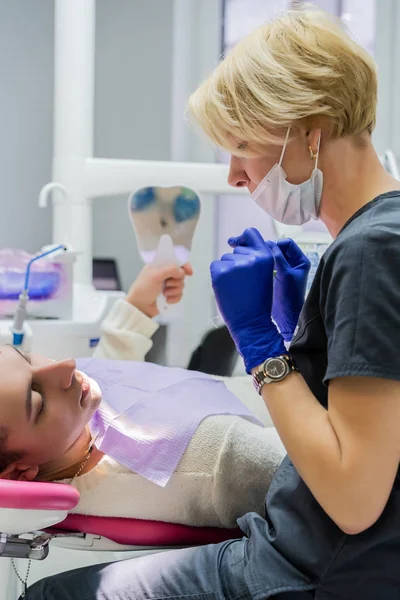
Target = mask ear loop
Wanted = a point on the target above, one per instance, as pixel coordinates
(317, 154)
(284, 147)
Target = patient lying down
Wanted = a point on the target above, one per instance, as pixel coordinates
(45, 408)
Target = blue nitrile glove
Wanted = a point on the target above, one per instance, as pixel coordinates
(292, 268)
(243, 286)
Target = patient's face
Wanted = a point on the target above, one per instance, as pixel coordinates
(44, 405)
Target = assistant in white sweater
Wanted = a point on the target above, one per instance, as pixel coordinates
(229, 463)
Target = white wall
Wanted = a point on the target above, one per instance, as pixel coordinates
(26, 115)
(132, 108)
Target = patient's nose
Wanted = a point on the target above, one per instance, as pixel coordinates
(59, 373)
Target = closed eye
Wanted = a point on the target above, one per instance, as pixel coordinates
(30, 388)
(34, 388)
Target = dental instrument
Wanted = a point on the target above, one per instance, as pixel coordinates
(21, 313)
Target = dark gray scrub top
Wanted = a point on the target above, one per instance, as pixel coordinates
(349, 326)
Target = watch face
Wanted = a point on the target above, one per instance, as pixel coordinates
(276, 368)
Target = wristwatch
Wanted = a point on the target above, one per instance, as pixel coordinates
(273, 369)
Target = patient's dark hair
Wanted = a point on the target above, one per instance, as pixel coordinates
(6, 456)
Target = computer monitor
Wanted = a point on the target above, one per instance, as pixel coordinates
(106, 275)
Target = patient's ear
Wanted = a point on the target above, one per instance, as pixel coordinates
(20, 472)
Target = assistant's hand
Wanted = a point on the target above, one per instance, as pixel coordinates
(153, 281)
(292, 268)
(243, 286)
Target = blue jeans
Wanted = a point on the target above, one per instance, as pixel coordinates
(214, 572)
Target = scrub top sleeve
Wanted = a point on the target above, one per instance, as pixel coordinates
(360, 305)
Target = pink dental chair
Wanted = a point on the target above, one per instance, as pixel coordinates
(34, 519)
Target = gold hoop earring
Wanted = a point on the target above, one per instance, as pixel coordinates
(312, 155)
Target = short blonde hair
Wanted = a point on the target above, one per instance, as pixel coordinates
(300, 69)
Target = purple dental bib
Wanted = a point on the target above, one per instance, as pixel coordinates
(148, 414)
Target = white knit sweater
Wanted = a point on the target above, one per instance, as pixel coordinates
(224, 473)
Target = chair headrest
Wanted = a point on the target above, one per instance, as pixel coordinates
(37, 495)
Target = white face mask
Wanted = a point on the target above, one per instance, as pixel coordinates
(289, 203)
